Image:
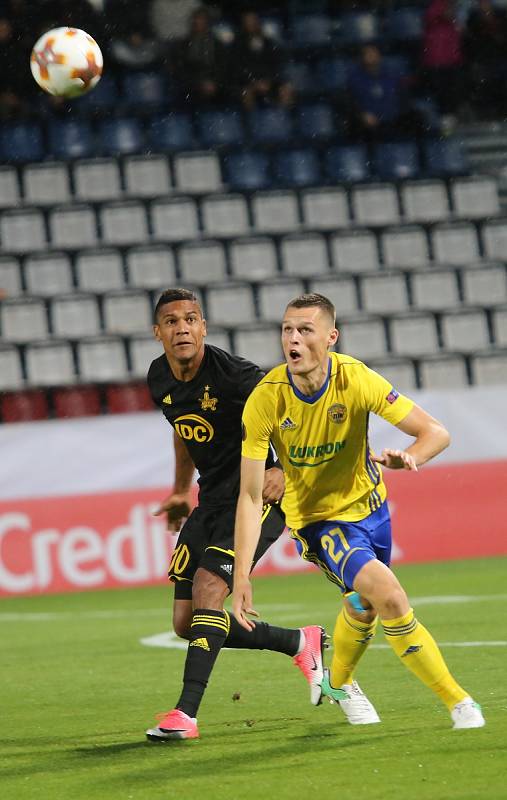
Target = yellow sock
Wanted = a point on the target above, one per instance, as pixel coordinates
(350, 640)
(419, 652)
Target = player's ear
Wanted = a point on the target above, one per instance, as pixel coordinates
(156, 332)
(204, 327)
(334, 335)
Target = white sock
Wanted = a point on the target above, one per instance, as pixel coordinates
(302, 642)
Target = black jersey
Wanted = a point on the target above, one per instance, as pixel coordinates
(206, 413)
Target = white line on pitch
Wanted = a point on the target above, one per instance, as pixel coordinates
(454, 598)
(170, 641)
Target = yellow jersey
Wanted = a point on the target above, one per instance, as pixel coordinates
(322, 441)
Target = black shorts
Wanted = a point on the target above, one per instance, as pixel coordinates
(207, 540)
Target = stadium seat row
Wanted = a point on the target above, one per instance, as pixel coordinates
(254, 259)
(346, 30)
(204, 172)
(316, 123)
(145, 92)
(74, 401)
(232, 305)
(113, 359)
(350, 29)
(327, 78)
(443, 371)
(55, 309)
(233, 215)
(75, 137)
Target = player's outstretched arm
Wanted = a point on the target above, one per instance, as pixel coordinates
(246, 537)
(177, 505)
(430, 439)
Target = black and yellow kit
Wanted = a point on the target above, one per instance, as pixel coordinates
(206, 413)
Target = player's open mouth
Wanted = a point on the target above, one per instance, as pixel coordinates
(294, 355)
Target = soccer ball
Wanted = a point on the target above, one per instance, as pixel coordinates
(66, 62)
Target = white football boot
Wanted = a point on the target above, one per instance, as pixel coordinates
(467, 714)
(352, 701)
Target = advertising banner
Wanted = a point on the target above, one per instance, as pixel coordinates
(113, 539)
(77, 496)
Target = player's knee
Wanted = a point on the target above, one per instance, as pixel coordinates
(360, 609)
(182, 620)
(209, 590)
(367, 617)
(394, 603)
(181, 628)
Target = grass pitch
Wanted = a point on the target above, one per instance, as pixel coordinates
(79, 690)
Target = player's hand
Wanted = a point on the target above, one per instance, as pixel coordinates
(242, 603)
(274, 485)
(396, 459)
(177, 507)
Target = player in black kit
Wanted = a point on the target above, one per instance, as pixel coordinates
(202, 390)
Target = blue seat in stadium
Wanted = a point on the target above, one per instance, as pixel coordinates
(171, 132)
(348, 163)
(403, 25)
(428, 110)
(70, 138)
(315, 121)
(145, 90)
(120, 136)
(21, 141)
(332, 74)
(398, 65)
(297, 167)
(299, 74)
(220, 128)
(247, 170)
(396, 160)
(444, 157)
(270, 125)
(357, 28)
(104, 96)
(311, 30)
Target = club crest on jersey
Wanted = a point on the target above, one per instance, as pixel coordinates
(208, 403)
(337, 413)
(288, 424)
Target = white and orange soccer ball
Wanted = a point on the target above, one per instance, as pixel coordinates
(66, 62)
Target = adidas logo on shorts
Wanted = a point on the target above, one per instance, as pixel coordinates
(227, 568)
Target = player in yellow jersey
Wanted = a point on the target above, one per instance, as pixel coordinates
(315, 409)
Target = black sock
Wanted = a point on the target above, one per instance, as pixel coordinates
(207, 634)
(263, 637)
